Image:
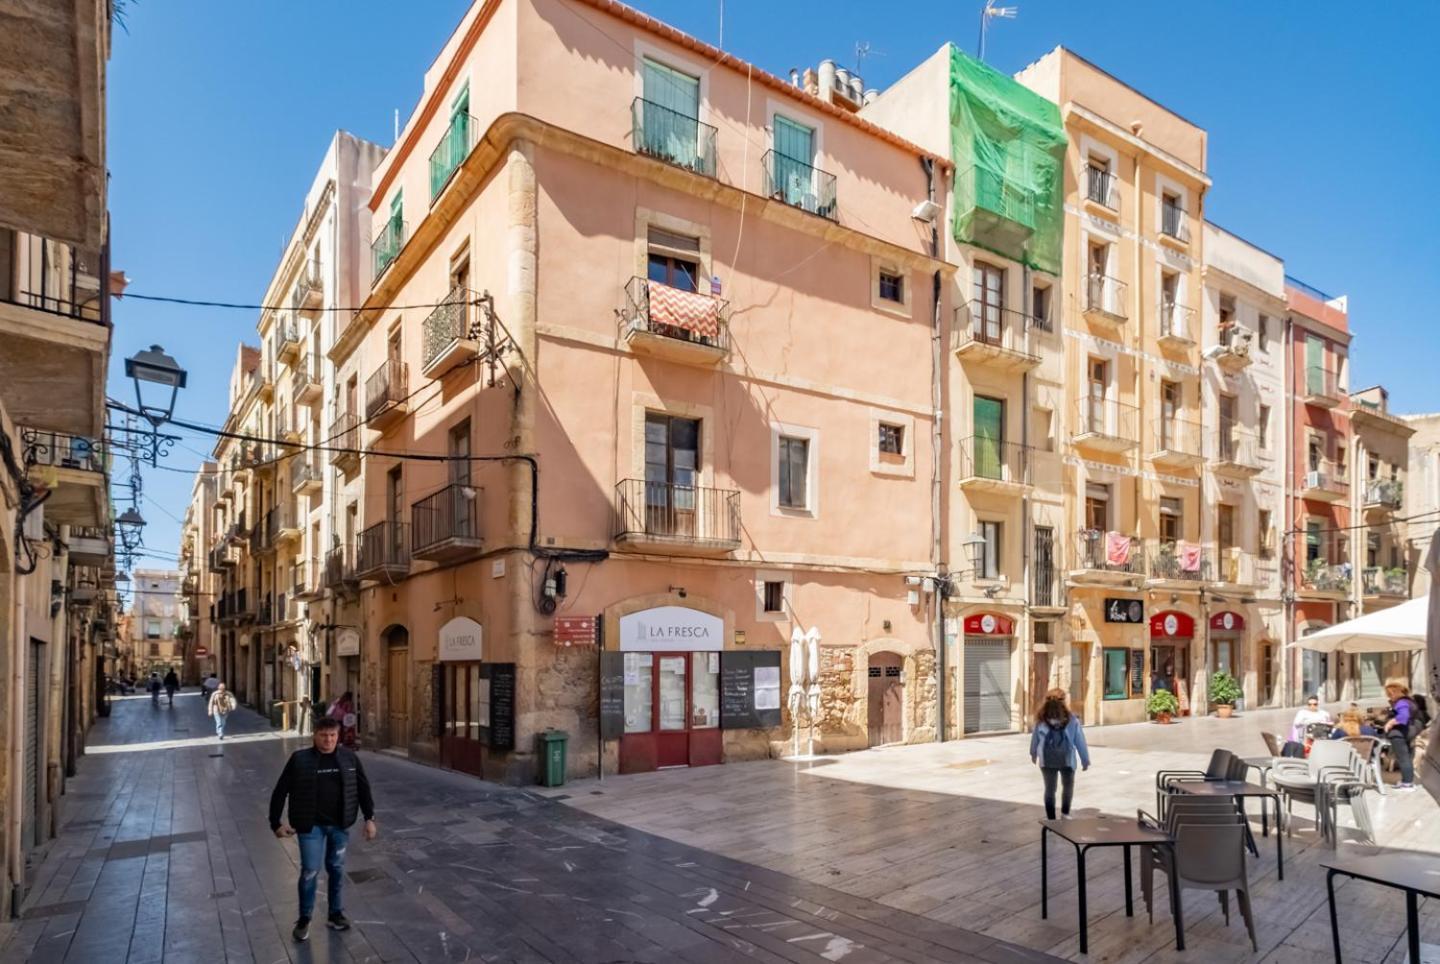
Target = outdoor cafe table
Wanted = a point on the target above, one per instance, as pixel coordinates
(1090, 832)
(1413, 873)
(1240, 789)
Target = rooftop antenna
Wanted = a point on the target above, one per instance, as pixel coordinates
(992, 12)
(864, 49)
(396, 136)
(721, 42)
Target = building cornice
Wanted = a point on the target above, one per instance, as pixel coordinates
(1137, 143)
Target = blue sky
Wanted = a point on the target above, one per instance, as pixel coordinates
(1320, 115)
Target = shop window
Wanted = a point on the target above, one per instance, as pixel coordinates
(705, 695)
(639, 680)
(1117, 674)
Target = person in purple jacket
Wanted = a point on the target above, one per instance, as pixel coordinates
(1054, 743)
(1397, 731)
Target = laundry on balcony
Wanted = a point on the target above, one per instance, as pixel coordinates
(1117, 549)
(684, 310)
(1190, 555)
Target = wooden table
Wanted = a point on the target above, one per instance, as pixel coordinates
(1415, 874)
(1087, 833)
(1239, 789)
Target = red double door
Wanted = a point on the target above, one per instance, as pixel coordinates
(672, 711)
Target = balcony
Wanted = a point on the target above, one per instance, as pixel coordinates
(305, 384)
(1324, 578)
(1237, 568)
(1108, 558)
(449, 334)
(262, 381)
(1177, 326)
(308, 298)
(289, 426)
(242, 609)
(386, 395)
(1181, 562)
(306, 579)
(1174, 223)
(305, 476)
(1105, 425)
(1046, 588)
(1322, 387)
(800, 185)
(667, 517)
(386, 247)
(985, 334)
(1323, 483)
(287, 341)
(990, 465)
(1105, 298)
(223, 557)
(340, 570)
(445, 526)
(384, 553)
(1383, 496)
(455, 145)
(75, 472)
(262, 537)
(1177, 443)
(90, 545)
(282, 524)
(674, 324)
(993, 210)
(1101, 189)
(1376, 582)
(672, 137)
(344, 441)
(1232, 353)
(257, 456)
(1237, 452)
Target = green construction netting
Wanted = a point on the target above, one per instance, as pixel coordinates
(1009, 150)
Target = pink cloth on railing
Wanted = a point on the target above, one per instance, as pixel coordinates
(1189, 557)
(1117, 549)
(684, 309)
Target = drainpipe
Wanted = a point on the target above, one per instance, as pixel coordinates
(1142, 369)
(1287, 550)
(20, 652)
(1026, 523)
(937, 470)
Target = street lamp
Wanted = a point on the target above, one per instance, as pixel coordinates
(131, 519)
(157, 368)
(974, 545)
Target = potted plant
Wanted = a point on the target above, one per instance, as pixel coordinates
(1162, 705)
(1224, 691)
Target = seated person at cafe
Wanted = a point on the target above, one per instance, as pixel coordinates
(1309, 714)
(1352, 723)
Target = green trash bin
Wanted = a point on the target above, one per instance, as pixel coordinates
(550, 747)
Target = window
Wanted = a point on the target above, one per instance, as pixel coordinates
(1372, 467)
(674, 259)
(1172, 519)
(990, 560)
(1172, 215)
(1372, 549)
(1040, 307)
(774, 596)
(1225, 527)
(988, 307)
(1264, 426)
(1172, 321)
(793, 171)
(1099, 181)
(794, 465)
(1117, 673)
(1267, 535)
(892, 287)
(1264, 333)
(1097, 506)
(1093, 414)
(892, 439)
(1314, 548)
(152, 629)
(1041, 419)
(672, 466)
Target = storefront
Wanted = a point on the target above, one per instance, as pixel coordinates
(1227, 643)
(1123, 640)
(476, 699)
(1172, 639)
(989, 673)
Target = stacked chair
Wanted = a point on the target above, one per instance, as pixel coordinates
(1209, 854)
(1332, 775)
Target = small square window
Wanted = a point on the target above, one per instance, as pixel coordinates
(774, 596)
(892, 287)
(892, 439)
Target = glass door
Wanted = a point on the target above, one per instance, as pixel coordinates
(670, 114)
(989, 303)
(1099, 373)
(672, 461)
(794, 163)
(989, 415)
(672, 710)
(1315, 366)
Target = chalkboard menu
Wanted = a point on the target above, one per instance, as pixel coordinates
(1137, 673)
(502, 704)
(612, 695)
(749, 689)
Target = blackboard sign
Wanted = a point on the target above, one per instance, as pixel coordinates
(1124, 611)
(1137, 673)
(749, 689)
(612, 695)
(502, 704)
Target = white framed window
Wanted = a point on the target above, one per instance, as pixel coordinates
(794, 480)
(772, 596)
(991, 559)
(892, 442)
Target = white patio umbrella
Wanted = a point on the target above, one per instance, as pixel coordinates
(796, 697)
(1391, 630)
(1429, 765)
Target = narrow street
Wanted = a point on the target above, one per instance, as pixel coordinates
(164, 854)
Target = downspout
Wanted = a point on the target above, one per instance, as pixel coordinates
(1026, 523)
(937, 448)
(1288, 575)
(1141, 370)
(19, 655)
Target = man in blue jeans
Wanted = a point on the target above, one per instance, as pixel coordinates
(326, 786)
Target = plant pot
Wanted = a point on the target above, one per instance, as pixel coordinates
(1162, 718)
(1223, 710)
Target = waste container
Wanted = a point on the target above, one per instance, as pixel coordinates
(550, 748)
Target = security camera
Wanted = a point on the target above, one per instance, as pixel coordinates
(926, 210)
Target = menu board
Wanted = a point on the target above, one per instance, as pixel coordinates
(612, 695)
(1137, 673)
(502, 704)
(749, 689)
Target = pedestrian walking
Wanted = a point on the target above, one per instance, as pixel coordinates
(172, 683)
(342, 711)
(154, 687)
(1054, 744)
(208, 686)
(219, 707)
(325, 785)
(1406, 722)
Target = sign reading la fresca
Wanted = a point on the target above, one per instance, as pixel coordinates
(1124, 611)
(988, 624)
(1172, 624)
(347, 643)
(460, 640)
(671, 629)
(1227, 622)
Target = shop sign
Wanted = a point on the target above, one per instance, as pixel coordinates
(671, 629)
(1227, 622)
(575, 631)
(460, 640)
(988, 624)
(347, 643)
(1124, 611)
(1172, 624)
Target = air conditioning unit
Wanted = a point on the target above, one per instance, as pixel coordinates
(1314, 480)
(1241, 346)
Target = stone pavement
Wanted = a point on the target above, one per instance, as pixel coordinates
(950, 832)
(166, 855)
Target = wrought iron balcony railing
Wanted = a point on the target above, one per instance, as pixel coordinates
(384, 551)
(799, 184)
(1174, 222)
(455, 145)
(63, 451)
(385, 388)
(671, 136)
(445, 519)
(685, 514)
(1100, 187)
(386, 247)
(689, 316)
(1180, 561)
(989, 459)
(451, 321)
(1096, 549)
(1106, 295)
(1177, 321)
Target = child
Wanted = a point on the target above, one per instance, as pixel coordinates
(1054, 744)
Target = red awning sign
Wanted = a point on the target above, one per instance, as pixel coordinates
(575, 631)
(1172, 625)
(989, 624)
(1227, 622)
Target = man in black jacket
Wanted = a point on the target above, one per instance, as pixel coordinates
(326, 785)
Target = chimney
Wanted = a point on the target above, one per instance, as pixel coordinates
(794, 77)
(827, 81)
(810, 82)
(857, 89)
(870, 95)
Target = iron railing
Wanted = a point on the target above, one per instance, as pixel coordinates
(63, 451)
(303, 472)
(1108, 551)
(452, 320)
(994, 460)
(1386, 493)
(1179, 561)
(1322, 382)
(302, 378)
(339, 567)
(1377, 581)
(677, 314)
(1325, 478)
(51, 276)
(1177, 321)
(345, 434)
(800, 184)
(678, 513)
(309, 287)
(1100, 187)
(386, 387)
(1107, 418)
(1236, 445)
(286, 337)
(455, 145)
(993, 191)
(1178, 435)
(1106, 294)
(980, 323)
(1173, 221)
(672, 136)
(1045, 589)
(383, 546)
(386, 248)
(451, 513)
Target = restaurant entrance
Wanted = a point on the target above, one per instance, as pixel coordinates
(672, 711)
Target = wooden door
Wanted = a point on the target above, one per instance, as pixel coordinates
(885, 700)
(989, 292)
(1079, 679)
(672, 710)
(1099, 381)
(397, 695)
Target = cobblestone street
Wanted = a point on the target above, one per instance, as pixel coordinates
(165, 855)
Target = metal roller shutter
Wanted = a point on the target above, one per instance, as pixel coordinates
(32, 746)
(987, 685)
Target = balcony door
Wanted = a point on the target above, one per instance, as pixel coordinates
(1315, 366)
(795, 162)
(461, 501)
(672, 464)
(1227, 427)
(395, 506)
(1169, 411)
(989, 415)
(989, 298)
(670, 113)
(1098, 385)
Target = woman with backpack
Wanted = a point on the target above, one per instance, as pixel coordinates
(1054, 744)
(1405, 723)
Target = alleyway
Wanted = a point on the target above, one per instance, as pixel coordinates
(165, 855)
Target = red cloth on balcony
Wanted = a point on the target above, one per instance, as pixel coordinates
(1117, 549)
(684, 309)
(1189, 557)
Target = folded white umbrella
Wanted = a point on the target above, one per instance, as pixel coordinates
(1429, 765)
(1390, 630)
